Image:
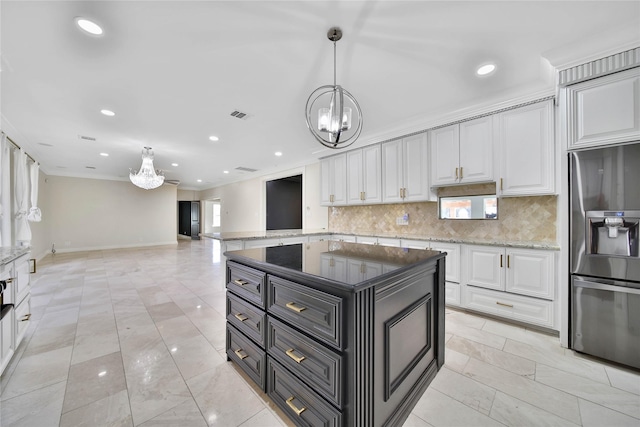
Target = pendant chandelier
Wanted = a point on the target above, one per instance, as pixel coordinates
(147, 177)
(339, 118)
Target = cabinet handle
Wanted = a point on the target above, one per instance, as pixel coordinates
(500, 184)
(33, 263)
(26, 317)
(298, 359)
(240, 282)
(293, 407)
(239, 352)
(504, 305)
(241, 317)
(294, 307)
(508, 261)
(456, 173)
(500, 260)
(330, 198)
(460, 172)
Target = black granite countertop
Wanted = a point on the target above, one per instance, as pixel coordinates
(348, 263)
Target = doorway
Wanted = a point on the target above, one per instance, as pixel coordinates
(211, 219)
(189, 219)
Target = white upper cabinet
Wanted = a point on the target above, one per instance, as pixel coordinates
(526, 150)
(405, 176)
(364, 175)
(462, 153)
(605, 110)
(333, 180)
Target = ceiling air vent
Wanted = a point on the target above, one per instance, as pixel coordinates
(86, 138)
(175, 182)
(239, 115)
(243, 169)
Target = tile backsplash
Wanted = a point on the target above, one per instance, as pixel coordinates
(531, 219)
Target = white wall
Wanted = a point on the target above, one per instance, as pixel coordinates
(86, 214)
(244, 203)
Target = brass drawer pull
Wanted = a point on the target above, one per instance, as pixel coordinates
(508, 261)
(500, 261)
(241, 317)
(241, 354)
(504, 305)
(293, 407)
(456, 173)
(298, 359)
(240, 282)
(460, 172)
(294, 307)
(32, 263)
(26, 317)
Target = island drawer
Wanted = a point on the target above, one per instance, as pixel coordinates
(249, 319)
(311, 361)
(247, 282)
(313, 311)
(247, 355)
(298, 401)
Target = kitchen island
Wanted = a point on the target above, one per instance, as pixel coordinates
(337, 333)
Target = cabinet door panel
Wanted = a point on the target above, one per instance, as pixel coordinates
(339, 173)
(416, 169)
(605, 110)
(392, 171)
(485, 267)
(452, 260)
(326, 180)
(476, 150)
(354, 177)
(444, 155)
(531, 272)
(372, 174)
(527, 150)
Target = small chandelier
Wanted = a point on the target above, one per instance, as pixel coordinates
(338, 125)
(147, 177)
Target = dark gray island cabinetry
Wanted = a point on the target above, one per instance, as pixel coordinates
(337, 334)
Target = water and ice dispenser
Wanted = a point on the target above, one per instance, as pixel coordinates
(613, 233)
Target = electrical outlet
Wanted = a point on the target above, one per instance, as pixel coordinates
(402, 220)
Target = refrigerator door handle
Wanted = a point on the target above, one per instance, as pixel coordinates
(579, 283)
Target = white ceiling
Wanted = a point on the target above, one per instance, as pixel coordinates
(173, 71)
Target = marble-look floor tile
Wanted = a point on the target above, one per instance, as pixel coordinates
(223, 399)
(264, 418)
(558, 360)
(465, 319)
(195, 356)
(514, 412)
(465, 390)
(438, 409)
(93, 380)
(37, 371)
(44, 340)
(187, 414)
(41, 408)
(517, 365)
(521, 334)
(155, 387)
(414, 421)
(605, 395)
(624, 379)
(454, 360)
(177, 330)
(112, 411)
(547, 398)
(164, 311)
(477, 335)
(594, 415)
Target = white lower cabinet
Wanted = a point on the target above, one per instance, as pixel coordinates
(510, 282)
(7, 336)
(452, 293)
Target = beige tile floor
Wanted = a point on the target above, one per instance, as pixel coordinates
(136, 338)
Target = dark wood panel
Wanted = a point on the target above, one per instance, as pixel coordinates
(247, 282)
(247, 355)
(249, 319)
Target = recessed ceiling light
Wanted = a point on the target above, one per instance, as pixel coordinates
(104, 154)
(485, 69)
(278, 153)
(174, 164)
(225, 171)
(214, 138)
(108, 113)
(199, 180)
(89, 26)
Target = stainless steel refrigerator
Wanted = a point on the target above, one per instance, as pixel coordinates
(605, 263)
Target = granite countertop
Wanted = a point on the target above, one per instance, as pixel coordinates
(268, 234)
(254, 235)
(9, 253)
